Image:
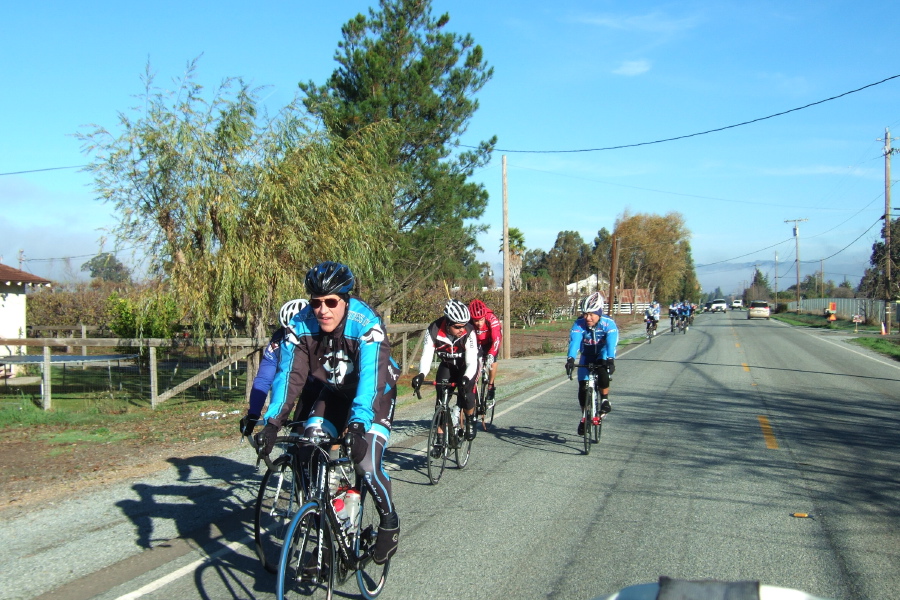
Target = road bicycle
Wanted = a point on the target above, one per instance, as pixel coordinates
(327, 540)
(681, 324)
(485, 407)
(651, 329)
(445, 435)
(281, 493)
(593, 418)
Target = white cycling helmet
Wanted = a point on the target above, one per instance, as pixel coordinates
(289, 309)
(456, 311)
(592, 304)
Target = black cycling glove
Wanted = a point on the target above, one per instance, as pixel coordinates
(570, 366)
(611, 365)
(248, 422)
(359, 445)
(266, 438)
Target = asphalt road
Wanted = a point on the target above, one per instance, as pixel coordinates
(716, 440)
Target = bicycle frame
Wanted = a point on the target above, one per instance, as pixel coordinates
(444, 434)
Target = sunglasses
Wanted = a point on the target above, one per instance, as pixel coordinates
(457, 326)
(317, 303)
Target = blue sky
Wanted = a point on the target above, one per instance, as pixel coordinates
(569, 75)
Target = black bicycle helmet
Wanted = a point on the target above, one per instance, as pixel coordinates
(329, 278)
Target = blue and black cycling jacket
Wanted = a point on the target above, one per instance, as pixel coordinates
(353, 361)
(595, 344)
(268, 365)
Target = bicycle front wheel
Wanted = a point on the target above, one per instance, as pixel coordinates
(370, 577)
(436, 456)
(307, 564)
(587, 413)
(463, 449)
(280, 495)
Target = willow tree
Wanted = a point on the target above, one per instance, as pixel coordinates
(654, 253)
(401, 64)
(231, 208)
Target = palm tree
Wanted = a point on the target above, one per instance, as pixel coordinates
(516, 252)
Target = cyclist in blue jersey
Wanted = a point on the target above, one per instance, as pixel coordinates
(595, 336)
(340, 342)
(265, 375)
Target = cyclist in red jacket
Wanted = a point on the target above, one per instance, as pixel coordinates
(488, 334)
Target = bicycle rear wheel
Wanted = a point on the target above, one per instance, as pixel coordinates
(370, 577)
(306, 569)
(280, 496)
(437, 440)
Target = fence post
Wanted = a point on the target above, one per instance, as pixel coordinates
(154, 382)
(45, 379)
(405, 371)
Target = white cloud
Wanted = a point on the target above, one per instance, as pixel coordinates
(654, 22)
(630, 68)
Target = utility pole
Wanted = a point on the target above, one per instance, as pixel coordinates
(776, 280)
(888, 296)
(614, 265)
(507, 353)
(797, 243)
(822, 271)
(21, 258)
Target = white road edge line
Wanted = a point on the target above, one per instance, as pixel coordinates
(185, 570)
(849, 349)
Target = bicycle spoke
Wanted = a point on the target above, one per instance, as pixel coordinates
(435, 439)
(278, 499)
(306, 569)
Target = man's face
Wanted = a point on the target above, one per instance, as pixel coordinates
(457, 329)
(329, 311)
(591, 319)
(479, 323)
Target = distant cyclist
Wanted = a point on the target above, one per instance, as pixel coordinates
(452, 338)
(488, 335)
(673, 315)
(594, 336)
(265, 375)
(651, 316)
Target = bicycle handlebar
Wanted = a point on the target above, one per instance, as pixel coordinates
(417, 389)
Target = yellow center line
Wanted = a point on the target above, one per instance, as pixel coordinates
(737, 345)
(746, 367)
(771, 442)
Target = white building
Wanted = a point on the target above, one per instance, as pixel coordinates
(587, 286)
(13, 284)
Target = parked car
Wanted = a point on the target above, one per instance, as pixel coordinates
(759, 309)
(737, 304)
(718, 305)
(707, 307)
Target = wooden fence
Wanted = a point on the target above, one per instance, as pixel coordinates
(237, 349)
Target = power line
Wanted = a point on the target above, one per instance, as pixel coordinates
(690, 135)
(845, 247)
(39, 170)
(742, 255)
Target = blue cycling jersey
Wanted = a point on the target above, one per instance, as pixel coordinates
(354, 362)
(594, 343)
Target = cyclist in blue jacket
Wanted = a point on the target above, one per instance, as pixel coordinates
(595, 336)
(340, 342)
(268, 364)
